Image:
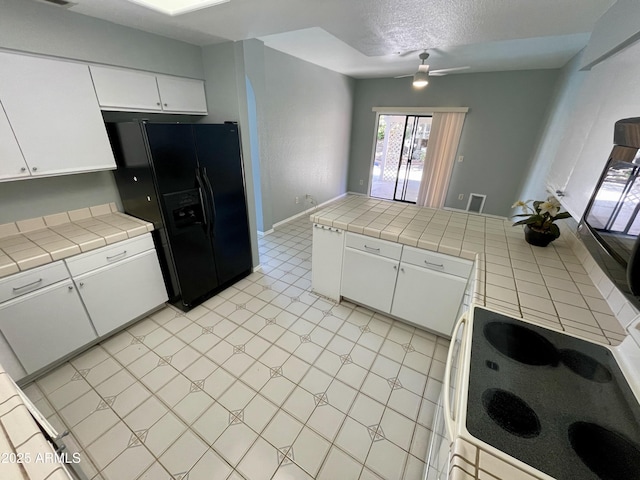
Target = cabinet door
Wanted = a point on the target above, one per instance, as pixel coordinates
(12, 164)
(118, 293)
(326, 261)
(369, 279)
(52, 107)
(45, 325)
(428, 298)
(183, 95)
(119, 89)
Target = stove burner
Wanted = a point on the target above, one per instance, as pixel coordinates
(511, 413)
(608, 454)
(585, 366)
(521, 344)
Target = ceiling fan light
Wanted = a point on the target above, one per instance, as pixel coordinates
(420, 79)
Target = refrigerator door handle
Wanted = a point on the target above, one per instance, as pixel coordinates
(213, 202)
(205, 213)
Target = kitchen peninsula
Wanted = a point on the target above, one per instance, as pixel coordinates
(549, 286)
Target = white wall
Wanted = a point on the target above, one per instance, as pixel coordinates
(607, 93)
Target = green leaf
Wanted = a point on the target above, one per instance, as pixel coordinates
(528, 221)
(553, 228)
(562, 215)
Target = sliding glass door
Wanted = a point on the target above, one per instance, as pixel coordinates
(401, 146)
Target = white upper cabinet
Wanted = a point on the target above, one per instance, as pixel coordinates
(182, 95)
(53, 111)
(12, 164)
(119, 89)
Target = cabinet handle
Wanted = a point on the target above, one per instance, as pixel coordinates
(395, 267)
(158, 103)
(165, 105)
(402, 270)
(438, 265)
(34, 169)
(117, 255)
(559, 193)
(15, 289)
(23, 169)
(371, 248)
(81, 284)
(70, 287)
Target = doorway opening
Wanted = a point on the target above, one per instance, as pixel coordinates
(398, 163)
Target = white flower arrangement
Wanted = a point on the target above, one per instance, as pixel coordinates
(541, 215)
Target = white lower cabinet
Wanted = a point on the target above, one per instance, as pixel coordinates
(120, 282)
(428, 298)
(422, 287)
(118, 293)
(369, 279)
(45, 325)
(326, 261)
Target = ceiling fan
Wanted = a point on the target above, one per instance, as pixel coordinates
(420, 78)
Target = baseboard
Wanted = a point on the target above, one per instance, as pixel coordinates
(307, 211)
(262, 234)
(257, 269)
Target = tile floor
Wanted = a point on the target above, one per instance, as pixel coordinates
(263, 381)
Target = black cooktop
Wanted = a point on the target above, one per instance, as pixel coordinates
(555, 402)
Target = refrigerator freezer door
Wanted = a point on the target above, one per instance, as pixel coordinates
(190, 245)
(174, 156)
(219, 157)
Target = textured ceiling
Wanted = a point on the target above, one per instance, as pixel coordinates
(484, 34)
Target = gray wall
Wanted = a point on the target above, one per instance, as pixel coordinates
(35, 27)
(309, 119)
(499, 137)
(43, 196)
(43, 29)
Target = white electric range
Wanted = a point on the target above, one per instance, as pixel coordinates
(555, 406)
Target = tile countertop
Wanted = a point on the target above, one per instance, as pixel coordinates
(549, 286)
(30, 243)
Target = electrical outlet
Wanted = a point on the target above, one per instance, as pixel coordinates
(297, 199)
(460, 158)
(460, 197)
(361, 182)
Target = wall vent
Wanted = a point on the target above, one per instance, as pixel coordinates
(476, 202)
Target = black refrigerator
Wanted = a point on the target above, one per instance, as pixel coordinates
(188, 180)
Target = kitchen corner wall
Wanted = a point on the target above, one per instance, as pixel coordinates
(499, 137)
(295, 119)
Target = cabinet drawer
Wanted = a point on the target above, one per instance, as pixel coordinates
(374, 246)
(109, 255)
(21, 283)
(437, 261)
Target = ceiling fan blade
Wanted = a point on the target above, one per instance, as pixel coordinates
(409, 52)
(404, 76)
(445, 71)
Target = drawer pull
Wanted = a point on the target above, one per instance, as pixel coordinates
(117, 255)
(437, 265)
(32, 284)
(372, 248)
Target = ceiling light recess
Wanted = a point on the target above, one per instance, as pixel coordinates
(177, 7)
